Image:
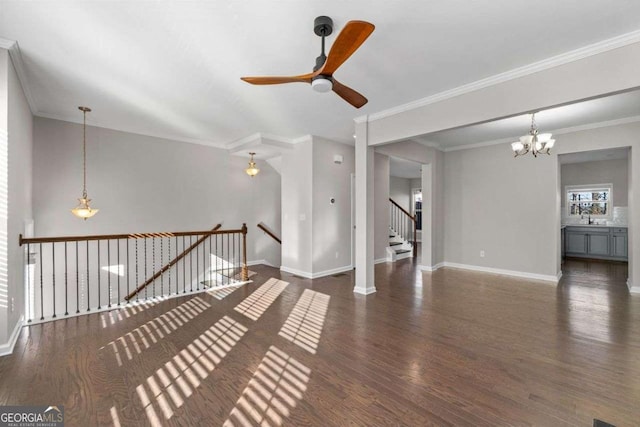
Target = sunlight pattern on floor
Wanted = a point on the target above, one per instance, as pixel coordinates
(118, 315)
(168, 388)
(303, 327)
(222, 293)
(154, 330)
(274, 390)
(114, 417)
(259, 301)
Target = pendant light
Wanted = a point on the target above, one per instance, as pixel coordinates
(534, 143)
(252, 170)
(83, 210)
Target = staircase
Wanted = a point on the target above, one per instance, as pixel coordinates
(398, 247)
(402, 233)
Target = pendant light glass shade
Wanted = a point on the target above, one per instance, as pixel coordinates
(84, 210)
(252, 170)
(534, 143)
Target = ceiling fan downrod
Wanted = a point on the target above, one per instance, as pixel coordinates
(323, 27)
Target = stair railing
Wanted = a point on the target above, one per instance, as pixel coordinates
(69, 276)
(270, 233)
(403, 224)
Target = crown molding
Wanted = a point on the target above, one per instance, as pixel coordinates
(16, 59)
(258, 138)
(545, 64)
(254, 137)
(562, 131)
(597, 125)
(6, 43)
(426, 143)
(77, 120)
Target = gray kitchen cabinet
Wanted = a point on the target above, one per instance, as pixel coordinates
(576, 242)
(596, 242)
(619, 245)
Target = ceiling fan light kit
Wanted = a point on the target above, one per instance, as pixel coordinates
(321, 79)
(322, 84)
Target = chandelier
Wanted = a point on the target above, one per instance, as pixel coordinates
(83, 210)
(536, 143)
(252, 170)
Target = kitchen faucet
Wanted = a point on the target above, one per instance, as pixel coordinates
(590, 221)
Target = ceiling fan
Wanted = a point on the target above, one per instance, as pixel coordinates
(321, 79)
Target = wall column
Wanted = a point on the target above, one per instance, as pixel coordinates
(365, 233)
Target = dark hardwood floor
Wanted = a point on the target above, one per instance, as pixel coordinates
(447, 348)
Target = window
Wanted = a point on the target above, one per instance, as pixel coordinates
(594, 200)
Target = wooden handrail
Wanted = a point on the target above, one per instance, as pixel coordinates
(413, 218)
(178, 258)
(24, 241)
(264, 228)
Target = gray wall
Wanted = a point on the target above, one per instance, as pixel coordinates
(331, 222)
(400, 191)
(598, 172)
(381, 206)
(510, 207)
(146, 184)
(20, 189)
(493, 203)
(316, 235)
(16, 127)
(297, 191)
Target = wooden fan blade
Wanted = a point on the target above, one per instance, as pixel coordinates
(304, 78)
(348, 94)
(348, 41)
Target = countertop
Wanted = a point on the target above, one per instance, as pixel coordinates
(595, 225)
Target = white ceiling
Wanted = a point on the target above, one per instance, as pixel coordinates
(402, 168)
(173, 69)
(562, 119)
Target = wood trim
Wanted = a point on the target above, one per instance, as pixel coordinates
(175, 260)
(24, 241)
(413, 218)
(245, 271)
(266, 230)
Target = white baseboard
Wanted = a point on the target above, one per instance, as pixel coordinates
(364, 291)
(431, 268)
(381, 260)
(260, 261)
(318, 274)
(7, 349)
(632, 289)
(513, 273)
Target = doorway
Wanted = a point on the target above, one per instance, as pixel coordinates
(594, 211)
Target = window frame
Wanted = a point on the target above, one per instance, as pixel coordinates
(589, 188)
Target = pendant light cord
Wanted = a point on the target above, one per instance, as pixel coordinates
(84, 156)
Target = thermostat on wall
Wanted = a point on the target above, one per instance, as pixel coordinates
(337, 158)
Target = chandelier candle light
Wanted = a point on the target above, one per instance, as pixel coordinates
(252, 170)
(83, 210)
(536, 143)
